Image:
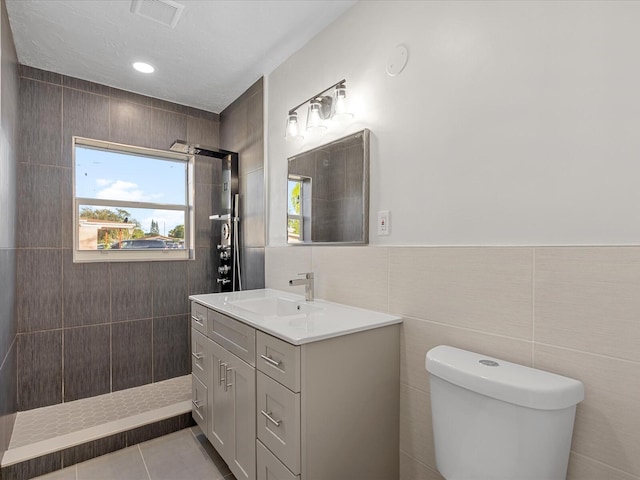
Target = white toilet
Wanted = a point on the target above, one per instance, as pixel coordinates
(496, 420)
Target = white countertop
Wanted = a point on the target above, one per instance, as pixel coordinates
(317, 320)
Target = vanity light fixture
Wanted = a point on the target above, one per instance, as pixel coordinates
(321, 109)
(143, 67)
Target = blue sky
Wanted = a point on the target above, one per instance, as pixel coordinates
(116, 176)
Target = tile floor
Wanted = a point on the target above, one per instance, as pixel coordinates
(182, 455)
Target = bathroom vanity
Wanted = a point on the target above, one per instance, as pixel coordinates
(287, 389)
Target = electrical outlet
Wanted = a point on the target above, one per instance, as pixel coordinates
(383, 223)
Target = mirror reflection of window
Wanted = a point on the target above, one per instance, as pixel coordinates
(298, 207)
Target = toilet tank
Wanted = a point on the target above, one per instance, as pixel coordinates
(496, 420)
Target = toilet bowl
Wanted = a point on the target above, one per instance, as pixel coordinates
(496, 420)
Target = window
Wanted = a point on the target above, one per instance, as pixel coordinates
(131, 203)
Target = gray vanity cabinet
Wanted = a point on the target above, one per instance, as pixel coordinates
(326, 409)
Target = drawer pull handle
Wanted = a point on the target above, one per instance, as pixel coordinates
(222, 379)
(196, 403)
(197, 355)
(268, 416)
(226, 378)
(270, 361)
(199, 320)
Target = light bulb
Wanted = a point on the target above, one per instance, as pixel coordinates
(292, 130)
(340, 104)
(314, 117)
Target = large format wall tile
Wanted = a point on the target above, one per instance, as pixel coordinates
(607, 427)
(356, 276)
(417, 337)
(39, 208)
(169, 288)
(284, 263)
(39, 369)
(207, 202)
(85, 86)
(166, 127)
(587, 299)
(86, 292)
(131, 354)
(84, 115)
(38, 289)
(40, 125)
(8, 323)
(585, 468)
(131, 291)
(202, 273)
(202, 132)
(8, 394)
(130, 123)
(416, 430)
(252, 262)
(170, 358)
(487, 289)
(252, 223)
(86, 362)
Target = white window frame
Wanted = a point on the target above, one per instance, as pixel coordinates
(123, 255)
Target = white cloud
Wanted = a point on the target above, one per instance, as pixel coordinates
(103, 182)
(167, 220)
(127, 191)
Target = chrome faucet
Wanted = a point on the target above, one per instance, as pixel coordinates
(307, 281)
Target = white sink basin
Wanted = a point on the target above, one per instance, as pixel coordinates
(289, 317)
(276, 306)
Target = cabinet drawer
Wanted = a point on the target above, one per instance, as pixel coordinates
(235, 336)
(279, 360)
(200, 353)
(269, 467)
(278, 420)
(199, 317)
(199, 402)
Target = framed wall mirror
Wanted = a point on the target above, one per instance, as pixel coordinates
(328, 193)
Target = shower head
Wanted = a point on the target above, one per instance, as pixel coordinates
(196, 149)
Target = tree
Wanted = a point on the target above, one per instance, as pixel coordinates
(177, 232)
(155, 230)
(110, 235)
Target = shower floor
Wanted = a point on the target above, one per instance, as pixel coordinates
(57, 428)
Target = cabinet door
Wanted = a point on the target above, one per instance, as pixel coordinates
(241, 380)
(220, 410)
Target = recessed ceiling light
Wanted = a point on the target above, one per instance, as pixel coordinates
(143, 67)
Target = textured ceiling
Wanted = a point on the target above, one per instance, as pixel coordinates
(215, 52)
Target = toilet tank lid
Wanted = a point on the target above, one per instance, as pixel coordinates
(504, 380)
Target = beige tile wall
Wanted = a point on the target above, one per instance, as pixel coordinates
(571, 310)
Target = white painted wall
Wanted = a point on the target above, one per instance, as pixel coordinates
(514, 123)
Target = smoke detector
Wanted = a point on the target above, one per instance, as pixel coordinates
(166, 12)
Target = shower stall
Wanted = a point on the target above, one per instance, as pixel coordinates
(227, 258)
